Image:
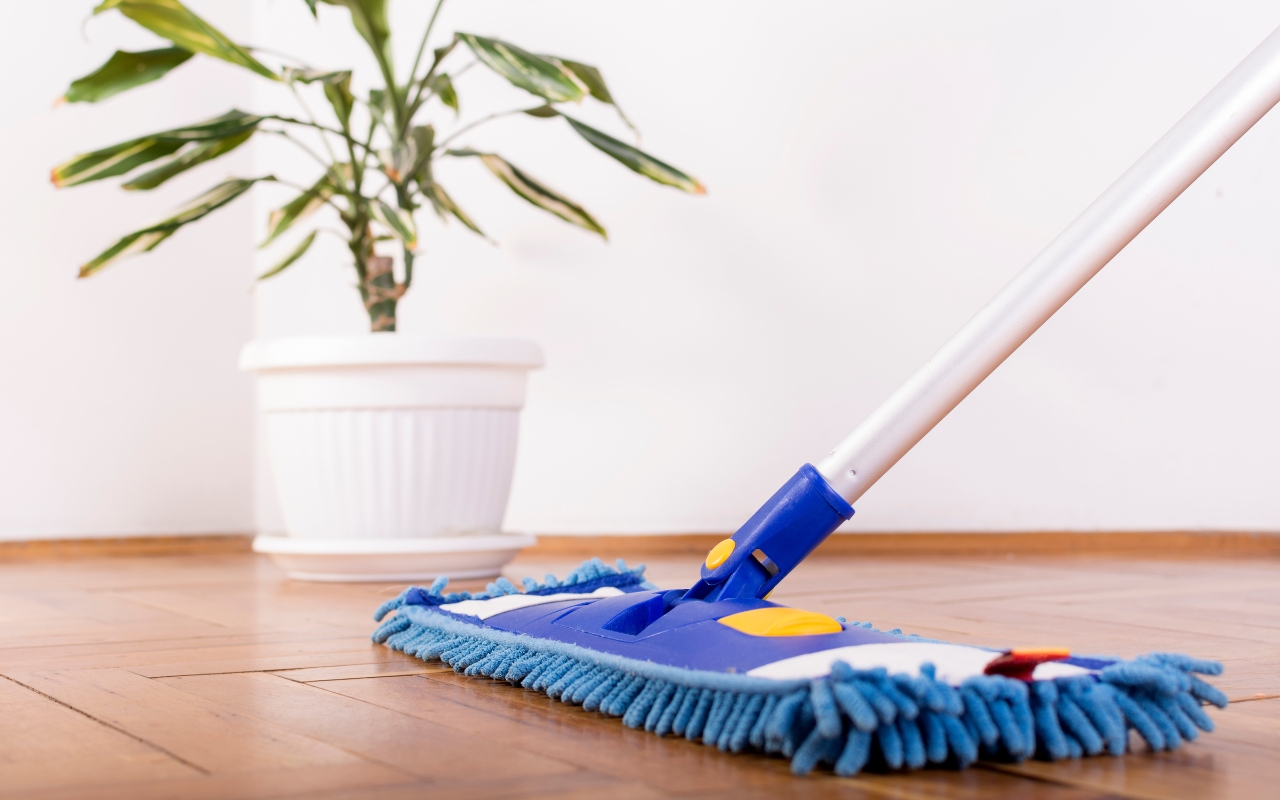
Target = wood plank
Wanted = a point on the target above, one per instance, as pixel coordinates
(240, 658)
(268, 604)
(44, 744)
(408, 666)
(190, 572)
(1239, 761)
(322, 657)
(511, 716)
(360, 779)
(169, 657)
(99, 609)
(199, 733)
(377, 733)
(123, 639)
(571, 786)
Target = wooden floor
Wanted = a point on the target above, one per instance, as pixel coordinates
(210, 676)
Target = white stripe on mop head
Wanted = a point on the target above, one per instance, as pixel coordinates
(483, 609)
(954, 662)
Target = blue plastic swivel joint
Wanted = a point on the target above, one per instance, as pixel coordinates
(786, 529)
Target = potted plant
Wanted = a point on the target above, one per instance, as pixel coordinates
(393, 456)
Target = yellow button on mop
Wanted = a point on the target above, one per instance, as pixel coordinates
(781, 621)
(720, 553)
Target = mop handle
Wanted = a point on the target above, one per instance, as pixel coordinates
(1058, 272)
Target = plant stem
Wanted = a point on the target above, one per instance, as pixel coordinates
(463, 71)
(357, 165)
(389, 77)
(405, 200)
(279, 55)
(412, 108)
(335, 232)
(328, 165)
(476, 124)
(312, 117)
(422, 46)
(378, 289)
(381, 293)
(303, 189)
(358, 171)
(419, 98)
(316, 125)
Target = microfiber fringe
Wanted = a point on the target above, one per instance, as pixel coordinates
(591, 575)
(849, 719)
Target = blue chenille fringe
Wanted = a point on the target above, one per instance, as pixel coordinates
(591, 575)
(848, 720)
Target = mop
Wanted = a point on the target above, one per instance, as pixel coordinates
(719, 663)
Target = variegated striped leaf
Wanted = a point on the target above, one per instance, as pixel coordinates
(149, 237)
(637, 159)
(125, 70)
(182, 26)
(523, 69)
(294, 254)
(535, 192)
(122, 158)
(398, 221)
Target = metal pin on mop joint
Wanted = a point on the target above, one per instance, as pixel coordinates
(719, 663)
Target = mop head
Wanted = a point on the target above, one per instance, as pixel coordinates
(756, 676)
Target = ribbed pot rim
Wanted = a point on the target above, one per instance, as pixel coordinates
(382, 349)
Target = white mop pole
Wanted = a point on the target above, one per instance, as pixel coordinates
(1075, 256)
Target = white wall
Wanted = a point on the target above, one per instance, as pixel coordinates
(876, 172)
(121, 411)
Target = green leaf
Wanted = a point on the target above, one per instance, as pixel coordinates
(422, 95)
(442, 87)
(298, 75)
(537, 193)
(380, 107)
(637, 160)
(294, 255)
(111, 161)
(524, 70)
(119, 159)
(542, 111)
(399, 221)
(298, 208)
(339, 95)
(423, 138)
(192, 156)
(590, 78)
(125, 70)
(399, 161)
(180, 25)
(336, 85)
(148, 238)
(440, 52)
(370, 20)
(594, 81)
(444, 204)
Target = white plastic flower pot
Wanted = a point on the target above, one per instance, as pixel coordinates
(392, 455)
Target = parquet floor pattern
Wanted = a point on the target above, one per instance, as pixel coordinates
(211, 676)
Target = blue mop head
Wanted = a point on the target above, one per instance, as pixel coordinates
(747, 674)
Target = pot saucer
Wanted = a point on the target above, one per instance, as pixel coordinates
(388, 560)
